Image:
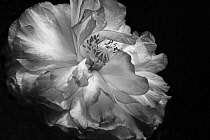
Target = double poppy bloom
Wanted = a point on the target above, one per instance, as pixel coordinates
(82, 62)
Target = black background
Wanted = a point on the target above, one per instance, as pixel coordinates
(180, 30)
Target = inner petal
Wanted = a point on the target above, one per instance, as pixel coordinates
(119, 72)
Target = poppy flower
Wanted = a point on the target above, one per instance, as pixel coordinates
(81, 61)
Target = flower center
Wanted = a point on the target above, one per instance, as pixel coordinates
(100, 51)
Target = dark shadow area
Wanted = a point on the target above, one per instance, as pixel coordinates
(180, 30)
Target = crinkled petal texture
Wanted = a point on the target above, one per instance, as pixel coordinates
(47, 64)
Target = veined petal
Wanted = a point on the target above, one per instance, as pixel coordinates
(66, 120)
(36, 65)
(119, 72)
(41, 36)
(62, 14)
(143, 54)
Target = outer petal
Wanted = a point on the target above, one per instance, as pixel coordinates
(143, 54)
(119, 72)
(41, 34)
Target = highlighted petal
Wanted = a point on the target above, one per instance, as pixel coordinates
(62, 14)
(119, 72)
(42, 34)
(35, 65)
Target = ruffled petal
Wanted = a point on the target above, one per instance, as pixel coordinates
(155, 97)
(119, 72)
(143, 54)
(152, 103)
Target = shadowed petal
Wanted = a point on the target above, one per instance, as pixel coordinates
(119, 72)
